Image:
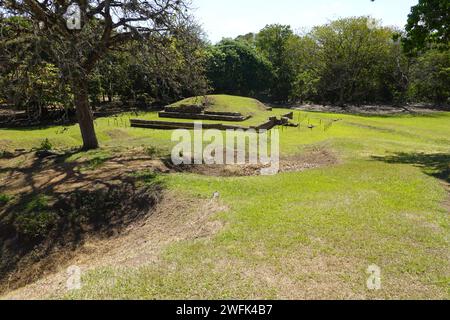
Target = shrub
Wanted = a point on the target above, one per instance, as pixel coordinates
(4, 199)
(46, 145)
(37, 204)
(35, 224)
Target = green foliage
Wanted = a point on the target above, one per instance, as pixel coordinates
(27, 78)
(353, 60)
(96, 162)
(355, 57)
(36, 218)
(273, 43)
(152, 71)
(430, 77)
(234, 67)
(428, 26)
(4, 199)
(163, 68)
(38, 203)
(153, 152)
(249, 39)
(46, 145)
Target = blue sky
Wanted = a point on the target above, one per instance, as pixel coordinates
(230, 18)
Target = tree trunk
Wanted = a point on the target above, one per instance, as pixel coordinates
(84, 115)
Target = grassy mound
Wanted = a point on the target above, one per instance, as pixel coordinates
(225, 103)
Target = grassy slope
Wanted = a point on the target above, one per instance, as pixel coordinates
(227, 103)
(303, 235)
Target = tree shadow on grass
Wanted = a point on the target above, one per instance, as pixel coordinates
(434, 164)
(61, 213)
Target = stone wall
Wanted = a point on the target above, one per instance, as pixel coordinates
(167, 125)
(202, 116)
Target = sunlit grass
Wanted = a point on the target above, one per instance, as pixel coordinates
(301, 234)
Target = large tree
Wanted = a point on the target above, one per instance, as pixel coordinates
(76, 35)
(353, 57)
(25, 78)
(428, 25)
(430, 77)
(272, 42)
(234, 67)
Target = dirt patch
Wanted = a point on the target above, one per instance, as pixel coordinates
(310, 159)
(373, 109)
(27, 173)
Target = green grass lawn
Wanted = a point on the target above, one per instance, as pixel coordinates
(309, 234)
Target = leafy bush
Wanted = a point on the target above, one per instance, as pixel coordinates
(4, 199)
(46, 145)
(37, 204)
(35, 224)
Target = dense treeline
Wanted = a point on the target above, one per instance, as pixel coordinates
(154, 71)
(353, 60)
(347, 61)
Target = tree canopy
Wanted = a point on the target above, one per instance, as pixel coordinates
(428, 26)
(234, 67)
(76, 35)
